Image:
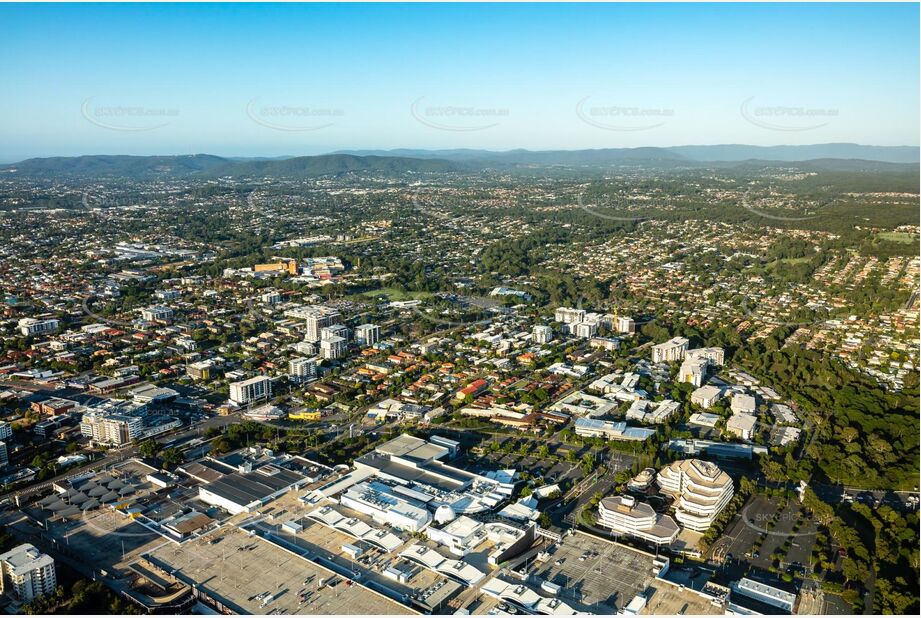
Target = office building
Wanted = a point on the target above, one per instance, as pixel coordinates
(671, 351)
(302, 369)
(6, 432)
(701, 491)
(4, 455)
(167, 295)
(624, 515)
(200, 370)
(610, 430)
(271, 298)
(762, 594)
(51, 426)
(367, 334)
(253, 389)
(712, 448)
(27, 573)
(31, 327)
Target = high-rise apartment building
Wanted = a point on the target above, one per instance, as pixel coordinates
(567, 315)
(367, 334)
(302, 369)
(27, 573)
(252, 389)
(671, 351)
(316, 317)
(542, 334)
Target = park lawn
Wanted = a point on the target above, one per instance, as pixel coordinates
(395, 294)
(900, 237)
(785, 261)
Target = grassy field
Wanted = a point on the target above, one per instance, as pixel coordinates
(395, 294)
(787, 261)
(902, 237)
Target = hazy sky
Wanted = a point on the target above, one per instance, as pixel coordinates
(303, 79)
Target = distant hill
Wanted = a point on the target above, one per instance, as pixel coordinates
(835, 157)
(688, 154)
(741, 152)
(601, 156)
(824, 165)
(119, 166)
(125, 166)
(323, 165)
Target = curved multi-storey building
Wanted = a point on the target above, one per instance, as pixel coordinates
(701, 491)
(643, 480)
(624, 515)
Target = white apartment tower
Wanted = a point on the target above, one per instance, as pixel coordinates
(542, 334)
(714, 356)
(693, 370)
(305, 347)
(584, 330)
(27, 573)
(318, 320)
(567, 315)
(253, 389)
(316, 317)
(671, 351)
(333, 347)
(625, 326)
(367, 334)
(302, 369)
(106, 428)
(334, 330)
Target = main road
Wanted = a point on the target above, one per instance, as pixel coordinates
(115, 456)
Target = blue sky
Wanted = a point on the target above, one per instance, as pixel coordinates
(265, 80)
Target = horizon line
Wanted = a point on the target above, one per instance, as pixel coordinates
(10, 159)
